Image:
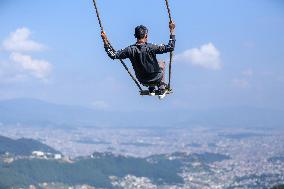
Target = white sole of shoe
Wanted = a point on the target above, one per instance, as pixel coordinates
(162, 96)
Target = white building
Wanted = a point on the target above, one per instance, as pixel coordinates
(38, 154)
(57, 156)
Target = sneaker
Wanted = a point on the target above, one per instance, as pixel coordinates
(152, 91)
(162, 93)
(163, 86)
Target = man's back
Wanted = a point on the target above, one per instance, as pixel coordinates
(144, 62)
(143, 58)
(143, 55)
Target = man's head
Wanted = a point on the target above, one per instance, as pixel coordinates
(141, 32)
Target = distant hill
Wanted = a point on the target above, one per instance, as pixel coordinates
(38, 113)
(22, 147)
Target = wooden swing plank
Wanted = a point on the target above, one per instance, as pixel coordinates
(147, 93)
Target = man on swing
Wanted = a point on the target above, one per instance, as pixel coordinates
(149, 71)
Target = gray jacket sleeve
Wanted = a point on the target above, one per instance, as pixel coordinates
(160, 49)
(121, 54)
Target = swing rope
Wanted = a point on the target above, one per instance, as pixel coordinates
(123, 63)
(171, 53)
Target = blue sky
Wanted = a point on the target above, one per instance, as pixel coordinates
(228, 53)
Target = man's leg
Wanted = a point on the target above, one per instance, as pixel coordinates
(162, 65)
(162, 87)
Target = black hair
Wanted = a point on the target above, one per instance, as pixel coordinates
(140, 32)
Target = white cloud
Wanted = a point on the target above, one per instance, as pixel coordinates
(20, 41)
(248, 73)
(100, 104)
(11, 72)
(22, 67)
(37, 68)
(242, 83)
(207, 56)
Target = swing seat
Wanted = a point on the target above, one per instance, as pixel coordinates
(157, 92)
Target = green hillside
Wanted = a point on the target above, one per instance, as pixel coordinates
(23, 147)
(96, 171)
(278, 187)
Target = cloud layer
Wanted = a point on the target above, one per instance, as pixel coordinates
(207, 56)
(21, 66)
(20, 41)
(100, 104)
(38, 68)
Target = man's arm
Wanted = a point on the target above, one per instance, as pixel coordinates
(122, 54)
(160, 49)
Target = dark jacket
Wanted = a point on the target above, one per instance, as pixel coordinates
(143, 59)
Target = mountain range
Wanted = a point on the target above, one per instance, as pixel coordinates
(35, 112)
